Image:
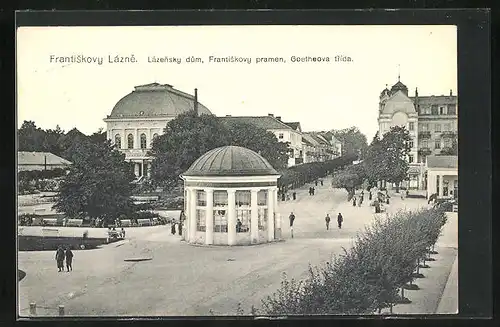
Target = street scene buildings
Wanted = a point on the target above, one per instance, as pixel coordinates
(237, 190)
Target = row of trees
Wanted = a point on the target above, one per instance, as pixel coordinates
(34, 139)
(372, 275)
(353, 141)
(384, 160)
(189, 136)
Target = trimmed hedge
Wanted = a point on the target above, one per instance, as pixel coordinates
(369, 276)
(297, 176)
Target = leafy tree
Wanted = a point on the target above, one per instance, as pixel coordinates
(30, 137)
(350, 178)
(261, 141)
(186, 138)
(70, 143)
(395, 146)
(98, 183)
(98, 137)
(353, 141)
(386, 158)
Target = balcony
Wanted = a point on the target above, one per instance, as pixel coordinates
(424, 135)
(449, 134)
(424, 151)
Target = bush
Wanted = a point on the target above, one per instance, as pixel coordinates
(368, 276)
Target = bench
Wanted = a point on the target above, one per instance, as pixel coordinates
(74, 222)
(143, 222)
(50, 221)
(125, 222)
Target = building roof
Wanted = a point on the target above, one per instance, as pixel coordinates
(399, 87)
(398, 101)
(294, 125)
(307, 136)
(306, 141)
(155, 100)
(438, 100)
(318, 138)
(230, 161)
(38, 158)
(265, 122)
(442, 161)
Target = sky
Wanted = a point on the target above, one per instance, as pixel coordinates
(319, 95)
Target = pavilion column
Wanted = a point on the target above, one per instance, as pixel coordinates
(270, 212)
(254, 220)
(136, 169)
(187, 214)
(192, 214)
(209, 232)
(441, 185)
(231, 217)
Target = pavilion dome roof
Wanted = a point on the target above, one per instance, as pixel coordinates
(230, 161)
(155, 100)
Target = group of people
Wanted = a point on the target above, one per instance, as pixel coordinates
(64, 254)
(312, 190)
(358, 199)
(340, 220)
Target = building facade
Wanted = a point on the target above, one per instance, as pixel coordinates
(442, 176)
(430, 120)
(283, 132)
(142, 115)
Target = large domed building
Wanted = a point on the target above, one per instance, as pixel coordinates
(142, 115)
(231, 198)
(430, 120)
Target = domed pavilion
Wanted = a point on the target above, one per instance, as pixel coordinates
(231, 198)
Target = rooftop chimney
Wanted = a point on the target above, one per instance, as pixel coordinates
(196, 101)
(270, 115)
(278, 118)
(451, 93)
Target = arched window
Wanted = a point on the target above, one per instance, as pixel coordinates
(118, 141)
(130, 141)
(143, 141)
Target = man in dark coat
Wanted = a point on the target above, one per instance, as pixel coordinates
(60, 258)
(327, 220)
(291, 218)
(340, 219)
(294, 195)
(69, 259)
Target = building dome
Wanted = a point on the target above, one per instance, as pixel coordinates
(155, 100)
(230, 161)
(398, 102)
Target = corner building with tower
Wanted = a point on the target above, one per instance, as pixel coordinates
(432, 122)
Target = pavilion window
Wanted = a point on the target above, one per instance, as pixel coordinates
(220, 211)
(130, 141)
(201, 220)
(243, 209)
(118, 141)
(262, 209)
(201, 202)
(143, 141)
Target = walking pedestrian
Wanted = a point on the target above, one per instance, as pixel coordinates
(321, 182)
(172, 227)
(354, 201)
(69, 259)
(291, 218)
(316, 182)
(123, 232)
(294, 195)
(313, 190)
(60, 258)
(327, 220)
(340, 219)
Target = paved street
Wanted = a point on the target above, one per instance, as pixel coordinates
(182, 279)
